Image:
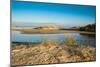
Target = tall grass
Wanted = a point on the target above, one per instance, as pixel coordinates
(69, 41)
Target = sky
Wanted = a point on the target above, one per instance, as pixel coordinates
(61, 14)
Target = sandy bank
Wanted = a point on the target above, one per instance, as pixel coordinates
(34, 31)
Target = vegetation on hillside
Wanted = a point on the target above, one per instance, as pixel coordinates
(90, 28)
(47, 27)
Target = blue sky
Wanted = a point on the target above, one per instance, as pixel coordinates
(62, 14)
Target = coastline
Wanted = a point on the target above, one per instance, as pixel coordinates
(50, 51)
(34, 31)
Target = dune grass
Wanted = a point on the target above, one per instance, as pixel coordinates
(50, 52)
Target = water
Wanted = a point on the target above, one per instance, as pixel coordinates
(83, 39)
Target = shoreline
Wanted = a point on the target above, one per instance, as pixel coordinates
(24, 43)
(34, 31)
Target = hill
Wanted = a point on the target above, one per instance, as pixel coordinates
(47, 27)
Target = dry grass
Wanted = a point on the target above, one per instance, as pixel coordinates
(69, 41)
(50, 51)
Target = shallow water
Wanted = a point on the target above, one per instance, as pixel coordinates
(17, 36)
